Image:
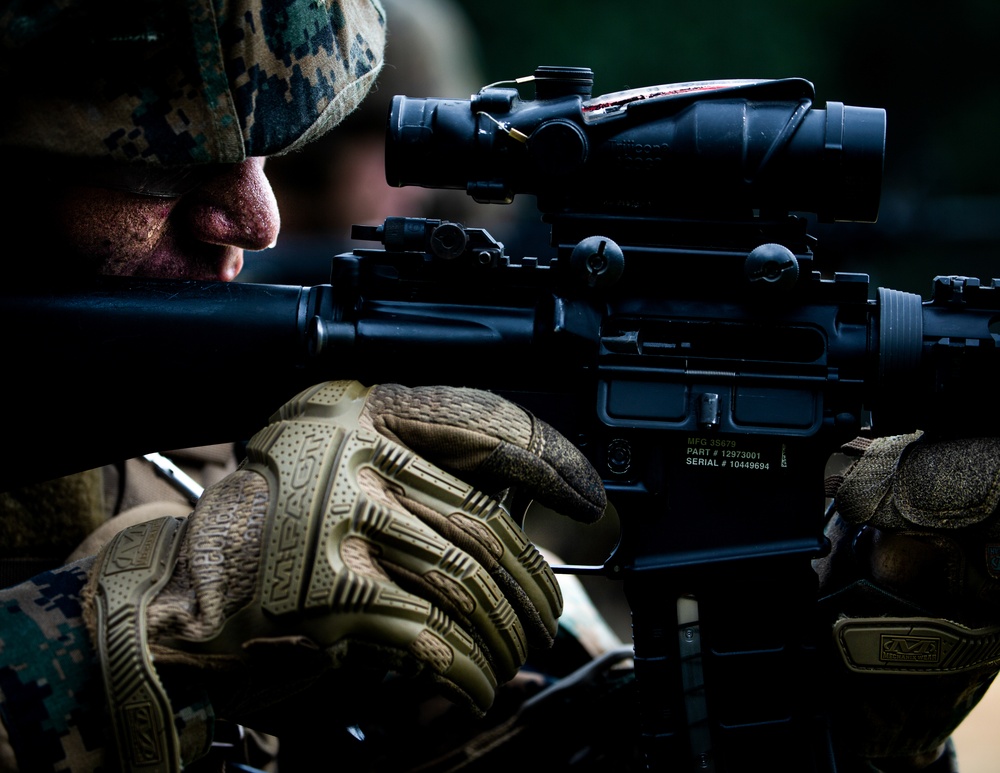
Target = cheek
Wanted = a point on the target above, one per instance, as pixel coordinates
(113, 227)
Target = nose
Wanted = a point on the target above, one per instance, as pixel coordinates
(236, 208)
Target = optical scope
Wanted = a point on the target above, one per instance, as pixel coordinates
(735, 148)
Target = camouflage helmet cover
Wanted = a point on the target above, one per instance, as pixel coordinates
(183, 81)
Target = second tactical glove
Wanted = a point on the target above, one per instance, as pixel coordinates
(912, 586)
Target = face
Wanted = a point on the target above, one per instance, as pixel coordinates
(191, 227)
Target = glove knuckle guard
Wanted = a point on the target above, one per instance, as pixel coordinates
(336, 545)
(906, 481)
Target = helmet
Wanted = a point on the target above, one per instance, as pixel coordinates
(167, 82)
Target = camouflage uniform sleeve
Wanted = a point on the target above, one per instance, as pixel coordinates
(51, 695)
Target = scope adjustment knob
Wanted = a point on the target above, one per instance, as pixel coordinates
(554, 82)
(558, 148)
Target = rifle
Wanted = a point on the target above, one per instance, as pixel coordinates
(677, 331)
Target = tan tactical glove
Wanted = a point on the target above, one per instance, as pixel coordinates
(913, 588)
(338, 542)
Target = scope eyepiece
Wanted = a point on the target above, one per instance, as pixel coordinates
(693, 150)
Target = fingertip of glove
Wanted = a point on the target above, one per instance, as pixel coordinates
(460, 697)
(586, 499)
(597, 509)
(583, 501)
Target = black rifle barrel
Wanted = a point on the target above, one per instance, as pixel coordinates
(119, 368)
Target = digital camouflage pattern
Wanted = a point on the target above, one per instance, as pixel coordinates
(170, 82)
(49, 682)
(52, 707)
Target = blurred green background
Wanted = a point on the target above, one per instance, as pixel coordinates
(933, 67)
